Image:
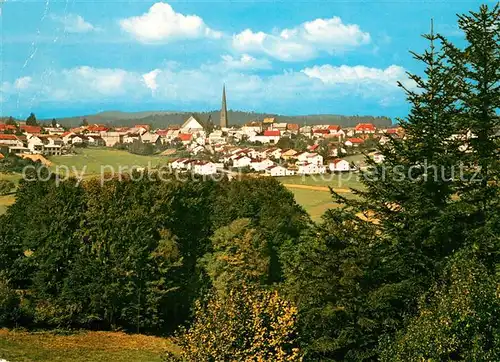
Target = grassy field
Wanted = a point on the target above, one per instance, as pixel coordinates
(81, 347)
(93, 160)
(336, 180)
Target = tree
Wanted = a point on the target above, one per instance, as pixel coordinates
(417, 221)
(84, 123)
(457, 320)
(208, 125)
(54, 122)
(249, 324)
(11, 122)
(240, 255)
(31, 120)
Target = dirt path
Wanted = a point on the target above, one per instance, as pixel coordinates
(317, 188)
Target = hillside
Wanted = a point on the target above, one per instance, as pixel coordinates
(160, 119)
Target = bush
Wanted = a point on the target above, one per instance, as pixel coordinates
(6, 187)
(249, 324)
(9, 303)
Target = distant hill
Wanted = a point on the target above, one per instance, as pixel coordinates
(161, 119)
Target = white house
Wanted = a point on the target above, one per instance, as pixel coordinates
(150, 138)
(216, 137)
(276, 153)
(111, 138)
(339, 165)
(180, 164)
(276, 171)
(305, 168)
(308, 157)
(96, 141)
(191, 126)
(315, 159)
(204, 168)
(35, 145)
(241, 161)
(10, 140)
(261, 165)
(131, 138)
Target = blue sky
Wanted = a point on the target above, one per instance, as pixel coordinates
(63, 57)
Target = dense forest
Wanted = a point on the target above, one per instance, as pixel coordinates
(409, 270)
(163, 119)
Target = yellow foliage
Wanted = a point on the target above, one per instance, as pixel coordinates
(248, 324)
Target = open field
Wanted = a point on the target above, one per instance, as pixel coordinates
(90, 160)
(344, 180)
(310, 191)
(81, 347)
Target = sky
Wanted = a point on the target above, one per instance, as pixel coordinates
(73, 57)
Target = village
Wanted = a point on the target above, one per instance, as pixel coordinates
(264, 146)
(254, 147)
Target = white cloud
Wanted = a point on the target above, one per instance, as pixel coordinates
(161, 24)
(359, 74)
(73, 23)
(305, 41)
(245, 61)
(185, 87)
(150, 79)
(22, 83)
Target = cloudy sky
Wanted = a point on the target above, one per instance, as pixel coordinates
(70, 57)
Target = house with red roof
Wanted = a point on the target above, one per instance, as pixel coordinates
(320, 132)
(7, 127)
(30, 129)
(147, 127)
(96, 128)
(312, 148)
(10, 140)
(186, 138)
(354, 142)
(293, 127)
(365, 128)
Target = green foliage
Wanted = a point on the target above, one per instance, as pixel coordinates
(269, 206)
(385, 273)
(240, 255)
(248, 324)
(140, 148)
(16, 164)
(9, 302)
(31, 120)
(125, 254)
(11, 122)
(6, 187)
(457, 318)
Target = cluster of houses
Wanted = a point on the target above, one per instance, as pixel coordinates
(195, 139)
(271, 161)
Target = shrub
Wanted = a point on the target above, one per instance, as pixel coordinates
(248, 324)
(6, 187)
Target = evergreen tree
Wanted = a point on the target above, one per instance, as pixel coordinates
(31, 120)
(54, 122)
(11, 121)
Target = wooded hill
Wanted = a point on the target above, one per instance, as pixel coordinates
(161, 119)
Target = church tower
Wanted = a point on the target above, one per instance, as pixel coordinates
(223, 111)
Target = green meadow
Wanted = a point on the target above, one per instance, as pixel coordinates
(93, 161)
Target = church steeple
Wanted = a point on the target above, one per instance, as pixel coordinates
(223, 111)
